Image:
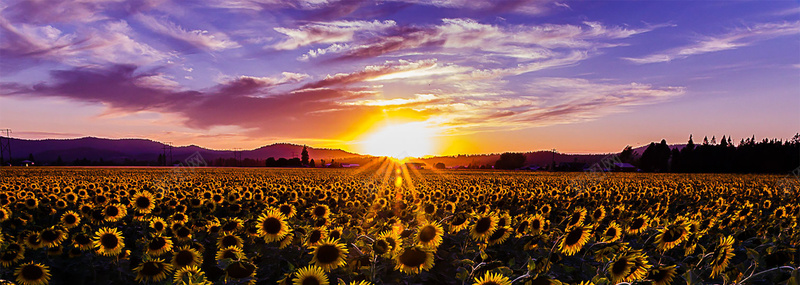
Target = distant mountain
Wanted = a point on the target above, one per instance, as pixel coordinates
(118, 150)
(145, 150)
(540, 158)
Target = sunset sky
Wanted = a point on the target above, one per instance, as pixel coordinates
(469, 76)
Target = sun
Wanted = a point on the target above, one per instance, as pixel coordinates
(400, 140)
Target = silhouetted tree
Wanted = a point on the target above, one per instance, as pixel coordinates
(664, 152)
(282, 162)
(677, 161)
(270, 162)
(439, 165)
(649, 157)
(59, 161)
(627, 154)
(312, 164)
(510, 160)
(304, 155)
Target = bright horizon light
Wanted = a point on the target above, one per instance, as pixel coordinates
(400, 141)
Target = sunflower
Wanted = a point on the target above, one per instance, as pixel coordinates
(413, 259)
(575, 238)
(430, 235)
(392, 239)
(143, 202)
(336, 233)
(240, 270)
(179, 217)
(183, 234)
(52, 237)
(722, 255)
(662, 275)
(612, 233)
(315, 236)
(577, 218)
(190, 275)
(229, 240)
(33, 241)
(329, 255)
(232, 252)
(272, 226)
(639, 269)
(158, 224)
(70, 219)
(598, 214)
(362, 282)
(4, 214)
(108, 241)
(158, 245)
(537, 224)
(638, 225)
(320, 211)
(484, 227)
(82, 241)
(500, 235)
(287, 210)
(672, 235)
(13, 253)
(114, 212)
(230, 225)
(620, 268)
(286, 240)
(778, 213)
(213, 226)
(492, 279)
(381, 247)
(31, 203)
(310, 275)
(32, 274)
(154, 270)
(458, 223)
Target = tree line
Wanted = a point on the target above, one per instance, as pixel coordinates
(749, 156)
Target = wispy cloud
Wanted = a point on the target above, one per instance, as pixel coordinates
(524, 42)
(546, 101)
(201, 39)
(22, 45)
(735, 39)
(491, 6)
(327, 32)
(70, 11)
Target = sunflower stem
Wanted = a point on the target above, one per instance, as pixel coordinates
(369, 238)
(764, 272)
(444, 219)
(526, 275)
(357, 249)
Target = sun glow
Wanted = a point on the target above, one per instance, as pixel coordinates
(400, 141)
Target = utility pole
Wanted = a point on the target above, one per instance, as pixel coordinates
(5, 146)
(237, 155)
(167, 147)
(554, 161)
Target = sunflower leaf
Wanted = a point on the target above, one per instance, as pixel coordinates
(461, 273)
(689, 277)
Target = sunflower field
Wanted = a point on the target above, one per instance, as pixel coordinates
(396, 226)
